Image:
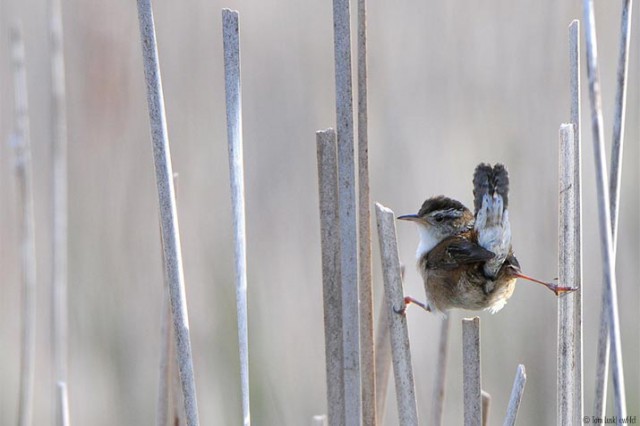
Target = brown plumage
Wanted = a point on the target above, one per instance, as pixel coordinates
(466, 260)
(454, 278)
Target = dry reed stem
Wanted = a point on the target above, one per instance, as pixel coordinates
(619, 117)
(383, 362)
(59, 309)
(606, 243)
(471, 371)
(167, 204)
(367, 343)
(602, 363)
(576, 298)
(516, 396)
(486, 404)
(24, 179)
(568, 394)
(332, 296)
(163, 408)
(437, 404)
(399, 335)
(168, 411)
(231, 38)
(347, 213)
(62, 397)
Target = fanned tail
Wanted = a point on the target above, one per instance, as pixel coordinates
(490, 181)
(491, 198)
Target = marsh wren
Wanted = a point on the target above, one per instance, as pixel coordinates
(466, 260)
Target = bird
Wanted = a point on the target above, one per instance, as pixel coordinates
(466, 259)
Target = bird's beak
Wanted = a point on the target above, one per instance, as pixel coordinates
(411, 217)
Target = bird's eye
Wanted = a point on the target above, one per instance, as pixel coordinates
(439, 219)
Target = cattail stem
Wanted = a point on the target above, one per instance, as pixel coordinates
(168, 213)
(59, 313)
(383, 362)
(394, 303)
(568, 389)
(486, 405)
(575, 86)
(22, 143)
(168, 411)
(62, 403)
(231, 38)
(602, 363)
(347, 213)
(367, 345)
(606, 240)
(437, 404)
(332, 296)
(471, 371)
(516, 396)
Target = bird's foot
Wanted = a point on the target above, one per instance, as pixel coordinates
(558, 290)
(409, 300)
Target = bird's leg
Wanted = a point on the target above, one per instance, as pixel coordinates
(558, 290)
(409, 300)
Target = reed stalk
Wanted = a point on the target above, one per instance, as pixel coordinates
(398, 332)
(367, 343)
(516, 396)
(168, 213)
(437, 404)
(569, 342)
(602, 363)
(231, 39)
(610, 300)
(59, 259)
(471, 371)
(332, 296)
(347, 214)
(24, 178)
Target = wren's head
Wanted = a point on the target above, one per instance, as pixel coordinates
(439, 217)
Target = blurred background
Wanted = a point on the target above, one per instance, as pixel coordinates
(451, 84)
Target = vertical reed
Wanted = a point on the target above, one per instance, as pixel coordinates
(606, 241)
(168, 410)
(167, 204)
(619, 117)
(394, 301)
(602, 363)
(576, 298)
(568, 394)
(231, 38)
(471, 371)
(332, 296)
(516, 396)
(486, 404)
(383, 362)
(163, 408)
(437, 404)
(367, 347)
(59, 322)
(23, 170)
(62, 403)
(347, 213)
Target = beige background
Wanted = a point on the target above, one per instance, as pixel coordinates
(451, 84)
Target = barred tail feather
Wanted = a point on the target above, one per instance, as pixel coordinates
(481, 184)
(491, 192)
(490, 181)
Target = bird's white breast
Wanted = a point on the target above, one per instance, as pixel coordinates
(428, 240)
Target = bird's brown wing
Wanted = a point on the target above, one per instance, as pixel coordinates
(456, 251)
